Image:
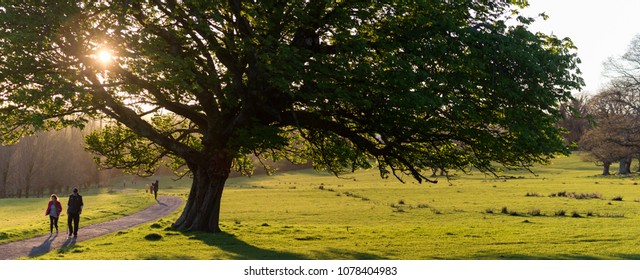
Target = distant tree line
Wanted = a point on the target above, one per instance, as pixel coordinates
(51, 162)
(56, 162)
(607, 125)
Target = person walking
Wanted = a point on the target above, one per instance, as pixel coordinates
(74, 209)
(155, 189)
(54, 209)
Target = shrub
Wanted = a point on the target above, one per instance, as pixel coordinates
(504, 210)
(535, 212)
(532, 194)
(617, 198)
(586, 196)
(560, 213)
(611, 215)
(489, 211)
(4, 235)
(153, 237)
(577, 195)
(575, 214)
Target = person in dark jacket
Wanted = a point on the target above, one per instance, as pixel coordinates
(74, 209)
(54, 209)
(155, 189)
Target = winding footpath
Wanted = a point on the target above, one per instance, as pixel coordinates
(42, 244)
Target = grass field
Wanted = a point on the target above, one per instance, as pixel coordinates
(564, 211)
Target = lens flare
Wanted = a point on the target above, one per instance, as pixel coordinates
(104, 56)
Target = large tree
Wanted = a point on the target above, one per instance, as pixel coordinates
(616, 134)
(201, 85)
(625, 74)
(615, 138)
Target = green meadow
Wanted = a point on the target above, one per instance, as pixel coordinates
(564, 210)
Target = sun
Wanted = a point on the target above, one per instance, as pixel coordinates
(105, 56)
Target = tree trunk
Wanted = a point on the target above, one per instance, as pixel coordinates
(202, 211)
(605, 169)
(27, 188)
(3, 184)
(624, 167)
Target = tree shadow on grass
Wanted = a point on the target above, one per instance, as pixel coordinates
(499, 256)
(242, 250)
(627, 256)
(239, 249)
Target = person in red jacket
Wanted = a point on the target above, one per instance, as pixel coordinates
(54, 209)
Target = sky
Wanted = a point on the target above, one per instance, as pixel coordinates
(599, 29)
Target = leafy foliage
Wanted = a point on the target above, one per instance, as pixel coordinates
(408, 85)
(413, 85)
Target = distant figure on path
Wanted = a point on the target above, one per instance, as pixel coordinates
(74, 209)
(54, 209)
(155, 189)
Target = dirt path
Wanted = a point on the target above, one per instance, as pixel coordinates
(42, 244)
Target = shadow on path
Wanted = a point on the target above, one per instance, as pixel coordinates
(68, 243)
(44, 247)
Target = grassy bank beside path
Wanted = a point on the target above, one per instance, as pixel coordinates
(25, 218)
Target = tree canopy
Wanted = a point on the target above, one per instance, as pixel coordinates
(616, 109)
(403, 86)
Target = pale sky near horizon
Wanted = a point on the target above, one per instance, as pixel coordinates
(599, 29)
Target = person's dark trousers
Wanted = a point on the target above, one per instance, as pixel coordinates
(73, 219)
(53, 221)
